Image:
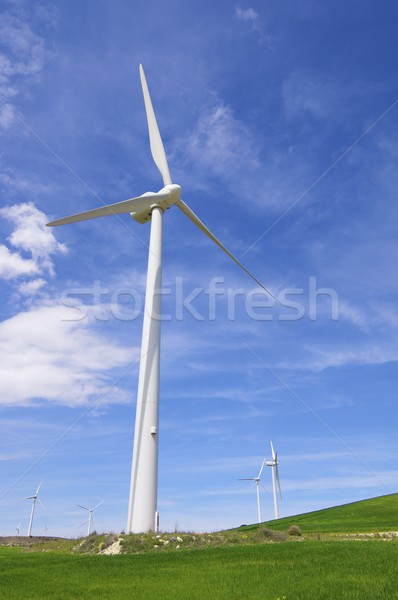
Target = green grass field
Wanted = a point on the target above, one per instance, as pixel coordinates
(335, 570)
(240, 564)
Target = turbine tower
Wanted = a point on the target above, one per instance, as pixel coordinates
(275, 479)
(34, 498)
(151, 206)
(17, 529)
(90, 516)
(258, 481)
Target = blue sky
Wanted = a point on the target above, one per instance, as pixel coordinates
(280, 124)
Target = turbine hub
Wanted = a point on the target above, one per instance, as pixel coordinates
(164, 202)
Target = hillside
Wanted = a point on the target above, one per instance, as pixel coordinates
(373, 515)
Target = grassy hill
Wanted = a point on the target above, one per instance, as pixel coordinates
(226, 565)
(374, 515)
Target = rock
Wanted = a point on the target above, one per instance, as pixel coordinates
(114, 548)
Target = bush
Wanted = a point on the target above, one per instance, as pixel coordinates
(294, 530)
(271, 535)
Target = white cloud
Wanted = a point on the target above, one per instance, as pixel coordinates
(29, 288)
(249, 15)
(246, 14)
(13, 265)
(48, 358)
(30, 235)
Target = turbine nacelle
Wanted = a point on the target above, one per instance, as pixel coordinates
(169, 195)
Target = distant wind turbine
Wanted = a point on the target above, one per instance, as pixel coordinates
(258, 481)
(34, 498)
(17, 530)
(275, 479)
(143, 513)
(90, 516)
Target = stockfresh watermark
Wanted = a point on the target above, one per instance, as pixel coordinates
(182, 301)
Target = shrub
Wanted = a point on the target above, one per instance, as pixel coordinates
(271, 535)
(294, 530)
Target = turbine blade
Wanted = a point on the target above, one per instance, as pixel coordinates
(42, 503)
(157, 148)
(85, 507)
(38, 487)
(96, 506)
(272, 451)
(247, 479)
(83, 524)
(126, 206)
(261, 470)
(191, 215)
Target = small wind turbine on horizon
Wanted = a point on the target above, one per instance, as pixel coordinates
(274, 464)
(143, 513)
(258, 482)
(90, 516)
(17, 529)
(34, 498)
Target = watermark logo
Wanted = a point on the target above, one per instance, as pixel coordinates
(204, 303)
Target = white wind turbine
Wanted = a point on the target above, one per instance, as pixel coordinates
(17, 529)
(89, 523)
(34, 498)
(258, 482)
(275, 479)
(143, 514)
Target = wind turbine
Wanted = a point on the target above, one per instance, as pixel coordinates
(258, 481)
(90, 516)
(34, 498)
(143, 514)
(275, 478)
(17, 529)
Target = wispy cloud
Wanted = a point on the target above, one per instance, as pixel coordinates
(30, 288)
(251, 17)
(21, 59)
(313, 94)
(247, 14)
(220, 141)
(320, 357)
